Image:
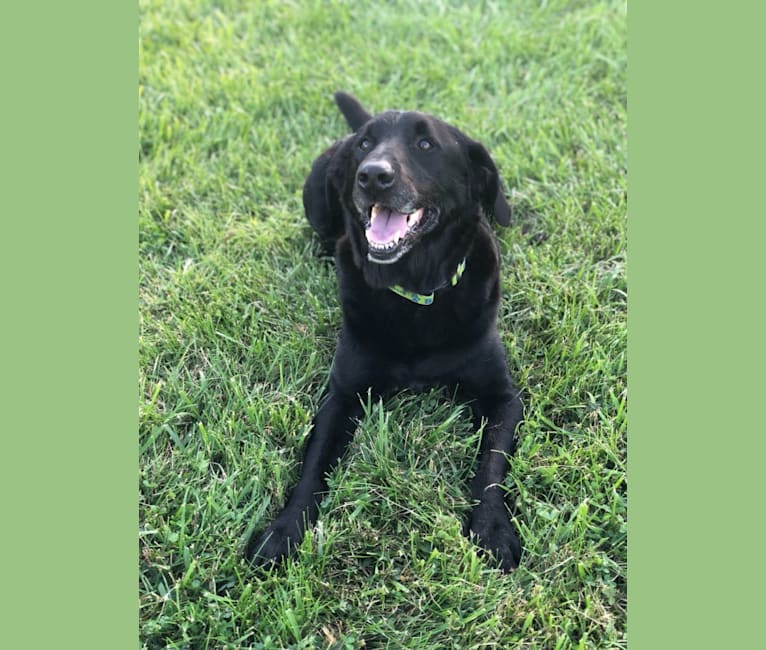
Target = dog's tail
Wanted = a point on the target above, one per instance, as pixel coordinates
(352, 110)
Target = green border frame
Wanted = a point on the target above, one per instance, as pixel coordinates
(69, 268)
(695, 444)
(70, 325)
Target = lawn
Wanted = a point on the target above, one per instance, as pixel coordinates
(239, 318)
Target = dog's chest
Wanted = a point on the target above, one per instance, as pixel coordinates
(402, 330)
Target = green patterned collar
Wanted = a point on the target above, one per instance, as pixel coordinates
(427, 299)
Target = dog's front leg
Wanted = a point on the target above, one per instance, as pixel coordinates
(497, 405)
(489, 519)
(332, 430)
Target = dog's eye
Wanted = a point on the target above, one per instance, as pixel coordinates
(365, 144)
(424, 144)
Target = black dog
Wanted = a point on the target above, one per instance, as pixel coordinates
(407, 198)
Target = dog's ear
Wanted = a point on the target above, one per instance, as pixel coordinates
(487, 184)
(352, 110)
(321, 192)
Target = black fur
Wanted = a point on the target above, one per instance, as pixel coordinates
(405, 161)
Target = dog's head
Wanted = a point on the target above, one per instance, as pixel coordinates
(404, 180)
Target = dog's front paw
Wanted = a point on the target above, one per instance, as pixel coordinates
(277, 542)
(494, 533)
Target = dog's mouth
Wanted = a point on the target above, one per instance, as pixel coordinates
(390, 234)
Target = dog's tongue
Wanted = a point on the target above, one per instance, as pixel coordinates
(385, 225)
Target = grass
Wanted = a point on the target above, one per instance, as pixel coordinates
(239, 316)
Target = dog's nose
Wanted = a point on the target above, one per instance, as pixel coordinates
(375, 175)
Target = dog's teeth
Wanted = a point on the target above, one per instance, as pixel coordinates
(414, 217)
(384, 246)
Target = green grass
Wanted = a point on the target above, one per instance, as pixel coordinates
(239, 317)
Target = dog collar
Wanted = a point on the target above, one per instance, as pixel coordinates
(427, 299)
